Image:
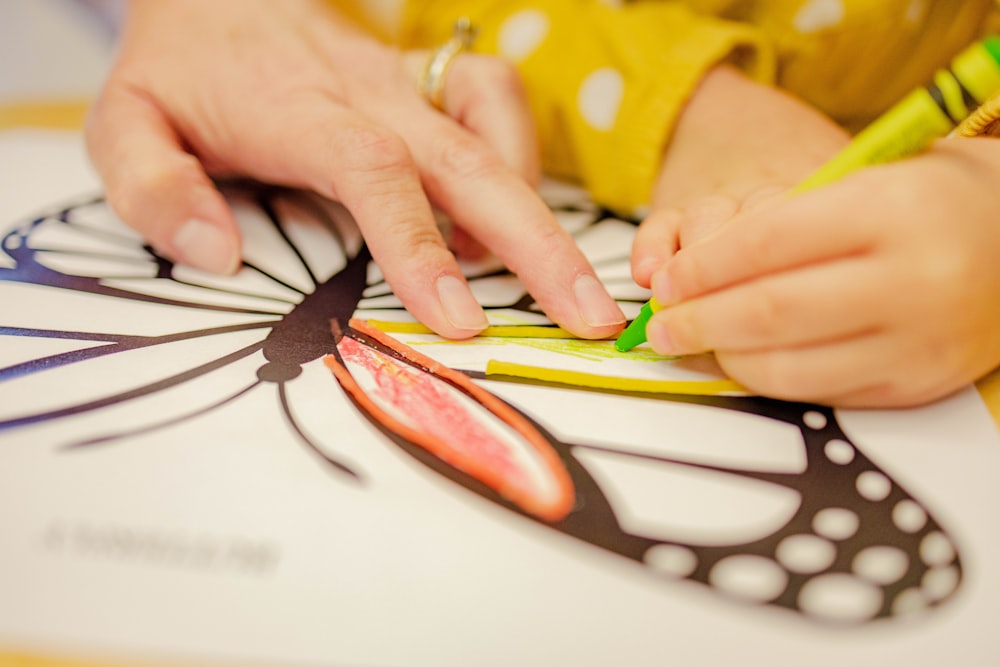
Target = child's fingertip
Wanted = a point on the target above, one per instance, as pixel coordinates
(643, 268)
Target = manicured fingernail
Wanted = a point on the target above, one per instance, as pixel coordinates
(658, 337)
(203, 245)
(596, 307)
(662, 289)
(460, 307)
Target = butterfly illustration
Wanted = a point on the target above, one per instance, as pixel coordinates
(99, 327)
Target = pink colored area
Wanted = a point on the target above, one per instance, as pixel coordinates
(437, 410)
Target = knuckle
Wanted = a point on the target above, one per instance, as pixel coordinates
(662, 221)
(949, 274)
(685, 331)
(663, 228)
(712, 207)
(372, 149)
(900, 195)
(467, 158)
(551, 240)
(685, 275)
(767, 312)
(416, 244)
(780, 376)
(759, 249)
(151, 181)
(500, 79)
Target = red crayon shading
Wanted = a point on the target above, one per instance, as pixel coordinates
(450, 416)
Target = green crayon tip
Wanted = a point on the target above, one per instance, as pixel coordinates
(635, 333)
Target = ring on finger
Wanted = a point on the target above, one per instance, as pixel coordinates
(432, 77)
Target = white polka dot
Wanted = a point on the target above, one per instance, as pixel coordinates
(816, 15)
(600, 96)
(881, 564)
(806, 554)
(749, 577)
(671, 559)
(939, 583)
(840, 598)
(937, 550)
(908, 516)
(836, 523)
(909, 601)
(814, 420)
(839, 452)
(874, 485)
(521, 34)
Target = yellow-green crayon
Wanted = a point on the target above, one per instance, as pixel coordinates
(906, 129)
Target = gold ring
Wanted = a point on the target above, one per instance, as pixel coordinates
(431, 81)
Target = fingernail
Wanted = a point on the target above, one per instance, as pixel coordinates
(460, 307)
(647, 266)
(658, 337)
(596, 307)
(202, 245)
(662, 289)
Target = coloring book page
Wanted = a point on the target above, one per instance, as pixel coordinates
(282, 468)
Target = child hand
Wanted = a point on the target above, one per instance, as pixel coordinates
(291, 93)
(736, 144)
(880, 290)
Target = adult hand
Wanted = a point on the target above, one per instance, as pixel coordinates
(879, 290)
(292, 93)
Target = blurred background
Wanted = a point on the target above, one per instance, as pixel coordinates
(55, 50)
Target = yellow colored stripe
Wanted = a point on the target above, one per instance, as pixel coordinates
(578, 379)
(61, 115)
(500, 331)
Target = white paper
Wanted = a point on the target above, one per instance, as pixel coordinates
(174, 484)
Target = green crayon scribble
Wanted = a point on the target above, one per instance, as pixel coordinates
(591, 350)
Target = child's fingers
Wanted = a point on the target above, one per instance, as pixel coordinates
(656, 240)
(870, 371)
(807, 229)
(156, 187)
(764, 196)
(705, 216)
(815, 373)
(807, 306)
(665, 231)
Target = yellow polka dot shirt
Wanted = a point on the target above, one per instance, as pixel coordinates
(607, 80)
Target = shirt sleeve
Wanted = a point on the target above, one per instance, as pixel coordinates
(606, 82)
